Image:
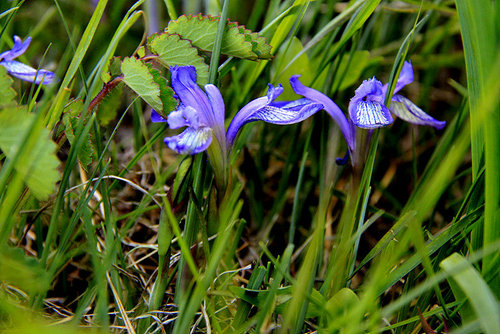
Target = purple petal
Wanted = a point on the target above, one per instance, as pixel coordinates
(405, 78)
(27, 73)
(330, 107)
(218, 113)
(190, 141)
(369, 114)
(371, 90)
(287, 112)
(242, 116)
(408, 111)
(274, 92)
(190, 94)
(184, 116)
(156, 118)
(18, 49)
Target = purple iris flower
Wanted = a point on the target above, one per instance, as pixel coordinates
(20, 70)
(202, 113)
(367, 109)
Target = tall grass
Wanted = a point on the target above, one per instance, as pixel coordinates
(142, 240)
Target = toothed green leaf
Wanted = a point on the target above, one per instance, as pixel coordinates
(38, 166)
(237, 41)
(138, 77)
(7, 94)
(71, 119)
(172, 50)
(108, 108)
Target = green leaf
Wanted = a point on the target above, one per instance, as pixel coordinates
(112, 69)
(468, 285)
(71, 120)
(340, 303)
(172, 50)
(7, 93)
(350, 69)
(138, 77)
(39, 166)
(22, 271)
(300, 66)
(108, 107)
(237, 41)
(168, 100)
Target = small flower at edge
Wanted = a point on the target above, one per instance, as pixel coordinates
(20, 70)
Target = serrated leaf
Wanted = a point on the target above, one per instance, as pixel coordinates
(71, 119)
(237, 40)
(168, 100)
(7, 93)
(108, 108)
(172, 50)
(23, 271)
(112, 69)
(39, 167)
(259, 44)
(137, 76)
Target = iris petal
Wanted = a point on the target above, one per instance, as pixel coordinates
(183, 116)
(370, 115)
(28, 73)
(190, 94)
(288, 112)
(408, 111)
(330, 107)
(156, 118)
(190, 141)
(18, 49)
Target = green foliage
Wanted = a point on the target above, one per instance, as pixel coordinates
(237, 41)
(24, 271)
(7, 94)
(469, 287)
(173, 50)
(107, 109)
(137, 75)
(71, 119)
(38, 166)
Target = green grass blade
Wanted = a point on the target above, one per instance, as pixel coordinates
(476, 290)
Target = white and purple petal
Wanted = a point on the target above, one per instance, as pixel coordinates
(28, 73)
(369, 114)
(190, 141)
(242, 116)
(183, 116)
(286, 112)
(328, 105)
(408, 111)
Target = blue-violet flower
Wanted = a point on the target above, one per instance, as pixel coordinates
(367, 109)
(202, 113)
(20, 70)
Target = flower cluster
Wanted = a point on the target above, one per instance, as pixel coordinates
(202, 112)
(20, 70)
